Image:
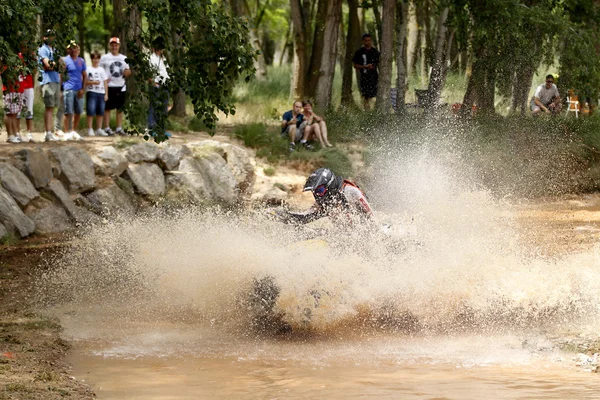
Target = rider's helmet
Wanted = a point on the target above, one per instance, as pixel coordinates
(319, 183)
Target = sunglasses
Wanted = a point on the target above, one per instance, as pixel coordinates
(549, 81)
(320, 191)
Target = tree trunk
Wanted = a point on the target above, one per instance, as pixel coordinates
(488, 92)
(299, 64)
(353, 41)
(179, 97)
(81, 29)
(476, 80)
(326, 73)
(120, 19)
(438, 75)
(401, 25)
(387, 55)
(413, 36)
(521, 85)
(378, 22)
(423, 56)
(259, 61)
(312, 75)
(107, 25)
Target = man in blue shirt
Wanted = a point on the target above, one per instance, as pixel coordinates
(292, 126)
(73, 89)
(50, 81)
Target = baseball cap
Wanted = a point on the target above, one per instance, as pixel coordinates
(114, 40)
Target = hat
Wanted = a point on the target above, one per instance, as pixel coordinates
(50, 32)
(114, 40)
(72, 44)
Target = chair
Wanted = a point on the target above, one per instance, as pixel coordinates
(572, 103)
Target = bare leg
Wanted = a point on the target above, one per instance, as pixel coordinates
(48, 118)
(29, 123)
(99, 119)
(119, 119)
(292, 134)
(90, 121)
(307, 132)
(317, 130)
(367, 105)
(323, 127)
(76, 119)
(107, 119)
(67, 122)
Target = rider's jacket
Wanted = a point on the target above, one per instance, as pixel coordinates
(344, 202)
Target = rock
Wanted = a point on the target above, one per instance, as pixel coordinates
(57, 191)
(16, 183)
(11, 216)
(207, 177)
(111, 200)
(236, 158)
(275, 196)
(142, 152)
(48, 217)
(3, 231)
(147, 179)
(76, 168)
(36, 165)
(109, 161)
(170, 156)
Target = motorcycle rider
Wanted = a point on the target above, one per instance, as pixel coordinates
(335, 197)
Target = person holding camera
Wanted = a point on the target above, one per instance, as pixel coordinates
(50, 83)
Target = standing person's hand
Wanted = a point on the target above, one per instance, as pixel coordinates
(105, 96)
(80, 93)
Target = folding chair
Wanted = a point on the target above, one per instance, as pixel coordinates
(572, 103)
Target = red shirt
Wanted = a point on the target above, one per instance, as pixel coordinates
(27, 80)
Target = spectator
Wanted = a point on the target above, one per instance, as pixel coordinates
(315, 125)
(546, 98)
(366, 60)
(28, 95)
(292, 126)
(12, 91)
(117, 70)
(50, 83)
(159, 92)
(73, 89)
(97, 94)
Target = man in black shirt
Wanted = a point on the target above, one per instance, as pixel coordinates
(366, 60)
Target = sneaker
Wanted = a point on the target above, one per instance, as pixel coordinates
(49, 137)
(91, 132)
(292, 147)
(119, 131)
(100, 132)
(308, 146)
(13, 139)
(109, 132)
(75, 136)
(60, 135)
(30, 138)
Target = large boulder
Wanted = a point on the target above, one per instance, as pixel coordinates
(75, 168)
(109, 161)
(36, 165)
(147, 179)
(17, 184)
(208, 178)
(59, 194)
(3, 231)
(11, 216)
(170, 156)
(48, 217)
(142, 152)
(237, 160)
(111, 200)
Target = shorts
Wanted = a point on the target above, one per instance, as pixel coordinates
(28, 102)
(94, 104)
(535, 107)
(13, 103)
(299, 132)
(51, 94)
(116, 98)
(368, 86)
(73, 104)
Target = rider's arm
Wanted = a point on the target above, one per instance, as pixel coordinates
(357, 200)
(312, 214)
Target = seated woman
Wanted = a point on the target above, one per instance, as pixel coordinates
(315, 125)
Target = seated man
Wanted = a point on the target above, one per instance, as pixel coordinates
(546, 98)
(292, 126)
(334, 196)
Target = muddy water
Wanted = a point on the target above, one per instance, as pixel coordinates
(487, 310)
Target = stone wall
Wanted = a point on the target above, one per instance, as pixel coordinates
(56, 189)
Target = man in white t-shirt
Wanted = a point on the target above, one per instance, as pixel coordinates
(117, 70)
(160, 91)
(546, 98)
